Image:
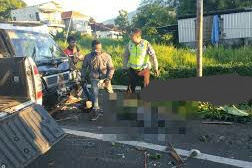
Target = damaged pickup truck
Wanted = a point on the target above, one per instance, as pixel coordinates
(27, 130)
(34, 72)
(57, 73)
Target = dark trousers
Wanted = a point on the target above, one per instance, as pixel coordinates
(135, 76)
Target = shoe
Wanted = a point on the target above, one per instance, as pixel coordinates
(95, 114)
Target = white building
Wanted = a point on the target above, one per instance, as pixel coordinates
(235, 27)
(108, 34)
(75, 21)
(49, 13)
(105, 31)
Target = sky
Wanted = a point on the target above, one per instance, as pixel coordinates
(100, 10)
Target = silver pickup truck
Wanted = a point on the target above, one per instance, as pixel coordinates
(57, 73)
(26, 129)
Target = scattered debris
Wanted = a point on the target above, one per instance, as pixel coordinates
(218, 123)
(173, 164)
(115, 144)
(221, 138)
(75, 117)
(156, 156)
(122, 155)
(145, 159)
(72, 100)
(140, 148)
(174, 155)
(194, 153)
(64, 108)
(234, 111)
(51, 163)
(203, 138)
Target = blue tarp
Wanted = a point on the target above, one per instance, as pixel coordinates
(215, 30)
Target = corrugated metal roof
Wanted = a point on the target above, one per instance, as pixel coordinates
(73, 14)
(219, 12)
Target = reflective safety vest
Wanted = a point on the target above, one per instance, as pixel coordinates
(138, 58)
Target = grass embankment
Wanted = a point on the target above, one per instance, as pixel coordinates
(181, 63)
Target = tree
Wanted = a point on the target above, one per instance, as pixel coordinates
(167, 3)
(122, 21)
(186, 7)
(7, 6)
(152, 15)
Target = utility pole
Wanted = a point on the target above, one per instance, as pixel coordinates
(68, 29)
(199, 37)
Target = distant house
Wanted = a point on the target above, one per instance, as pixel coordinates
(105, 31)
(75, 21)
(49, 13)
(234, 28)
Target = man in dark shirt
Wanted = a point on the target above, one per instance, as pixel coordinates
(101, 71)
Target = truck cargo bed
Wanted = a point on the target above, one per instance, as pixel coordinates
(11, 101)
(26, 135)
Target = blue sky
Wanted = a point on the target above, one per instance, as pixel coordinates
(101, 10)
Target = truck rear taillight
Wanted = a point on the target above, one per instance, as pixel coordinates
(36, 82)
(39, 95)
(35, 70)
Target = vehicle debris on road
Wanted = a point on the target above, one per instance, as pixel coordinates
(194, 153)
(234, 111)
(145, 159)
(174, 155)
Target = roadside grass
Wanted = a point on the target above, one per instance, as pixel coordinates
(172, 57)
(180, 63)
(208, 111)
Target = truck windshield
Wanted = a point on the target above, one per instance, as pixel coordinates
(40, 47)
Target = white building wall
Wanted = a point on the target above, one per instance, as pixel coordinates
(187, 30)
(108, 34)
(25, 14)
(82, 26)
(51, 16)
(237, 25)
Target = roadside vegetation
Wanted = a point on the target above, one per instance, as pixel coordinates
(174, 60)
(181, 63)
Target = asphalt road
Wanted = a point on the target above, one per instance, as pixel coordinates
(233, 142)
(80, 152)
(137, 121)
